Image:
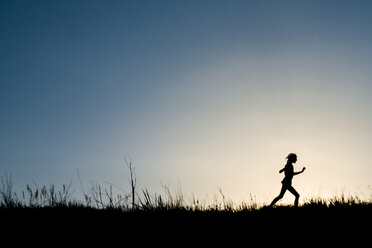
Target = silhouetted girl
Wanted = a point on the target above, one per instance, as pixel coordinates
(287, 181)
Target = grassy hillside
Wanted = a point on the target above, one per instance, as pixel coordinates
(54, 213)
(318, 222)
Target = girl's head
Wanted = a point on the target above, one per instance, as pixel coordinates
(292, 158)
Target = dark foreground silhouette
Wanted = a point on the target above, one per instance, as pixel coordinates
(50, 217)
(90, 225)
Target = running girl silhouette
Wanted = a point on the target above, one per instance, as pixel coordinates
(287, 181)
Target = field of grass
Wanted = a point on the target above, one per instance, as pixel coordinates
(102, 213)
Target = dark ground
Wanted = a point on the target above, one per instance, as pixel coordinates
(282, 225)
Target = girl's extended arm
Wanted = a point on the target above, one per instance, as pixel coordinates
(296, 173)
(282, 170)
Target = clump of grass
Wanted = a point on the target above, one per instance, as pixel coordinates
(35, 197)
(337, 202)
(47, 197)
(8, 197)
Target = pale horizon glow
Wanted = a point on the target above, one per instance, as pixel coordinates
(201, 96)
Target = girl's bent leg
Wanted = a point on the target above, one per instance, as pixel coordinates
(296, 194)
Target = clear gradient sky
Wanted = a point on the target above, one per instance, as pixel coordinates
(199, 94)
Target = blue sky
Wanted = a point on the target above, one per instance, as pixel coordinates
(210, 94)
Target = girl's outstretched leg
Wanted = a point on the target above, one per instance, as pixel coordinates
(280, 196)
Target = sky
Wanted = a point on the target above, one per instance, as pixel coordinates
(199, 95)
